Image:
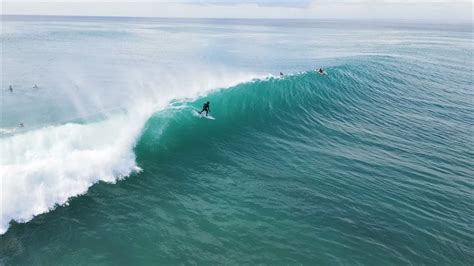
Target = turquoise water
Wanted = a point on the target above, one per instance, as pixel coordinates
(369, 164)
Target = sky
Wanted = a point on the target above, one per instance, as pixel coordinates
(430, 10)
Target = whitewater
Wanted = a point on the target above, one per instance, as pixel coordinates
(296, 169)
(45, 167)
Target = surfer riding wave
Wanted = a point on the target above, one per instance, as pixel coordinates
(205, 108)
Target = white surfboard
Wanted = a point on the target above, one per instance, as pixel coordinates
(203, 115)
(322, 74)
(208, 117)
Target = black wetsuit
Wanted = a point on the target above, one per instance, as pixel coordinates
(205, 108)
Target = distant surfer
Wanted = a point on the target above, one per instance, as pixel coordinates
(205, 108)
(281, 73)
(321, 71)
(10, 88)
(35, 86)
(21, 125)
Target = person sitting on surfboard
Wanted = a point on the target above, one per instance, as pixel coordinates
(321, 71)
(205, 108)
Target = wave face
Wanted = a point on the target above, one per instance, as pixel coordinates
(371, 163)
(303, 148)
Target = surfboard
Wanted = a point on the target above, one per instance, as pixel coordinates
(322, 74)
(203, 115)
(208, 117)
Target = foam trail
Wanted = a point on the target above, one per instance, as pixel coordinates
(43, 168)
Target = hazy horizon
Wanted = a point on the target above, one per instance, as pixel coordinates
(362, 20)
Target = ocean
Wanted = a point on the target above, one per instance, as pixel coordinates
(371, 163)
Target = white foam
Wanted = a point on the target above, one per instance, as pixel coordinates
(43, 168)
(8, 131)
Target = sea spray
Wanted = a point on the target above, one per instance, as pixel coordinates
(44, 167)
(303, 169)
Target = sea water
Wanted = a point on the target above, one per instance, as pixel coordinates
(369, 164)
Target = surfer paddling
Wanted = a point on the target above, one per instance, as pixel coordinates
(205, 108)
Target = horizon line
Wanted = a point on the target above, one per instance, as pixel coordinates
(428, 21)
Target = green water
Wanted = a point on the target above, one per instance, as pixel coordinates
(370, 164)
